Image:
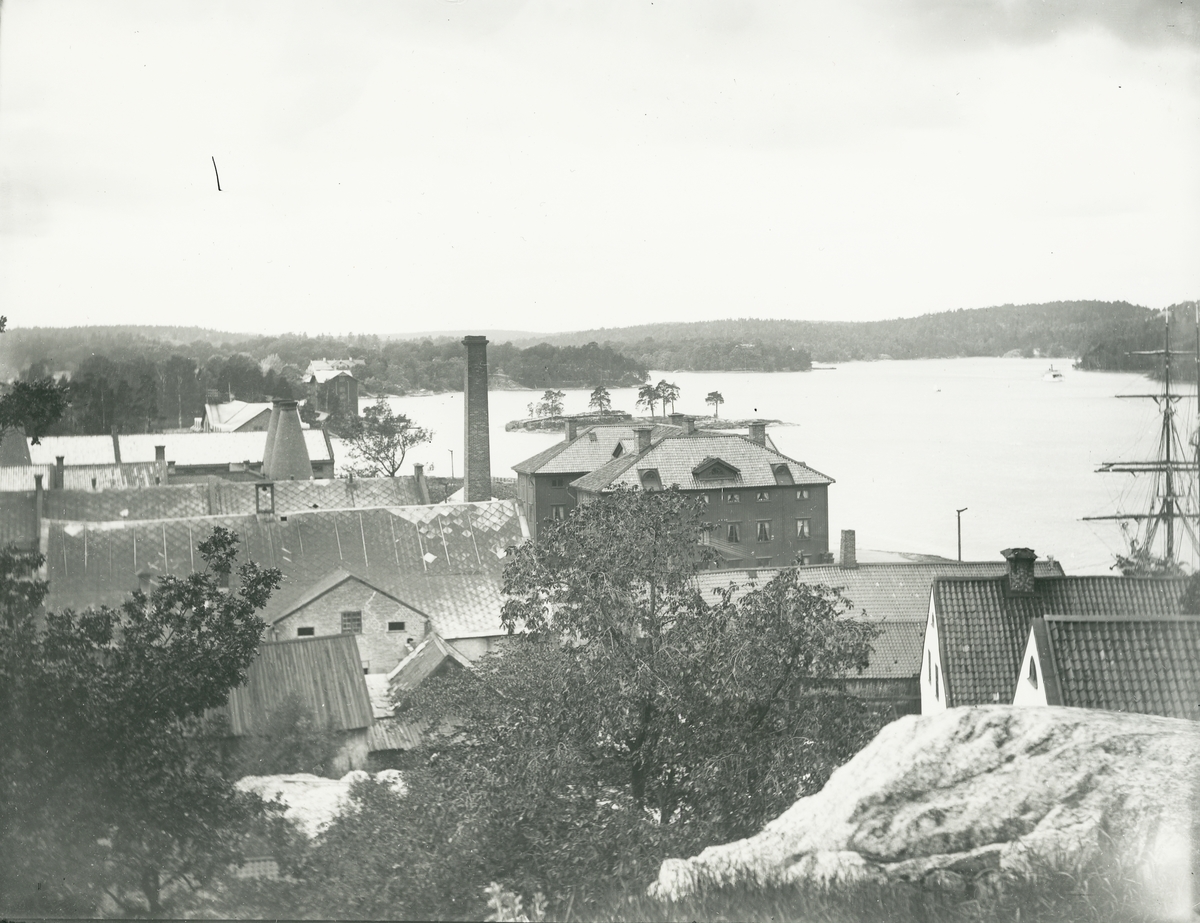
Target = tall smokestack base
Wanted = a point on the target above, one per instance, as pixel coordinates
(849, 555)
(285, 455)
(477, 474)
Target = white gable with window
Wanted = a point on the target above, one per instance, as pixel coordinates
(1031, 681)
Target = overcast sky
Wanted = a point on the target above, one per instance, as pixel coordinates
(428, 165)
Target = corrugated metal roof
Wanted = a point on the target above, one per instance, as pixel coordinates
(591, 448)
(983, 630)
(446, 560)
(233, 415)
(676, 457)
(325, 672)
(1150, 666)
(183, 449)
(21, 477)
(895, 597)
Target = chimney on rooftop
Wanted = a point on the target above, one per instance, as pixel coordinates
(477, 473)
(676, 418)
(849, 556)
(285, 455)
(422, 484)
(571, 428)
(1020, 569)
(38, 500)
(758, 433)
(59, 474)
(643, 434)
(14, 450)
(116, 445)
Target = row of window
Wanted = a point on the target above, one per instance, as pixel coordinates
(351, 625)
(762, 531)
(760, 496)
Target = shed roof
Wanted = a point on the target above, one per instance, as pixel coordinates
(895, 597)
(231, 416)
(983, 629)
(325, 672)
(184, 449)
(592, 447)
(676, 459)
(425, 659)
(1144, 664)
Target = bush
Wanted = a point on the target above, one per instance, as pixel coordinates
(292, 742)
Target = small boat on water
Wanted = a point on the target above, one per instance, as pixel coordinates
(1052, 374)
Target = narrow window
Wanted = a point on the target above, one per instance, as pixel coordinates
(1033, 679)
(929, 666)
(735, 498)
(558, 511)
(395, 626)
(803, 528)
(304, 632)
(764, 530)
(937, 686)
(352, 623)
(763, 496)
(733, 532)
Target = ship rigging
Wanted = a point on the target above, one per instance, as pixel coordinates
(1164, 535)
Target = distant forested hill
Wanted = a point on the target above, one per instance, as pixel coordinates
(1099, 331)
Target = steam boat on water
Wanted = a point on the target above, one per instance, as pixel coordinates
(1052, 374)
(1163, 533)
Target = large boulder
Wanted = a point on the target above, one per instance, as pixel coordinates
(955, 800)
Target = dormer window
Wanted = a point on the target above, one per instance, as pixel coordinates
(650, 479)
(783, 474)
(619, 450)
(715, 469)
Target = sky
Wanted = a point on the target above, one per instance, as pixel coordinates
(394, 167)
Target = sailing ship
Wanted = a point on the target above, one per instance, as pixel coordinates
(1163, 533)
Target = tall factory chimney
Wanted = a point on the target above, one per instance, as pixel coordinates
(477, 476)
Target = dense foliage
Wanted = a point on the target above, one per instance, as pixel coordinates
(379, 440)
(111, 790)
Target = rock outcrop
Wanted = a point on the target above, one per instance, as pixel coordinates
(311, 801)
(953, 801)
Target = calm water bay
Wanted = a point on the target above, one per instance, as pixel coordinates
(908, 443)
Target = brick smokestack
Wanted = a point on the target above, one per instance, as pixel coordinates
(758, 433)
(422, 484)
(116, 445)
(285, 458)
(849, 556)
(1020, 569)
(477, 474)
(643, 434)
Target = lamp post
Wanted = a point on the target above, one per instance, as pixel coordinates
(958, 515)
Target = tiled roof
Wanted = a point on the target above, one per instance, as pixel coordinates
(591, 448)
(1150, 666)
(183, 449)
(230, 416)
(893, 596)
(675, 457)
(219, 497)
(445, 560)
(983, 630)
(325, 672)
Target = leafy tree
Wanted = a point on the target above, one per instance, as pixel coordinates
(551, 404)
(291, 741)
(716, 399)
(600, 399)
(648, 396)
(379, 440)
(668, 393)
(33, 404)
(110, 787)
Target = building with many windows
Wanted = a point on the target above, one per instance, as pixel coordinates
(766, 509)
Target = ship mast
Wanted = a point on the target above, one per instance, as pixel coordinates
(1170, 469)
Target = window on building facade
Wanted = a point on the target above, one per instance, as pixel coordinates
(733, 498)
(802, 495)
(558, 482)
(304, 632)
(395, 626)
(803, 528)
(764, 530)
(558, 511)
(763, 496)
(351, 623)
(733, 532)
